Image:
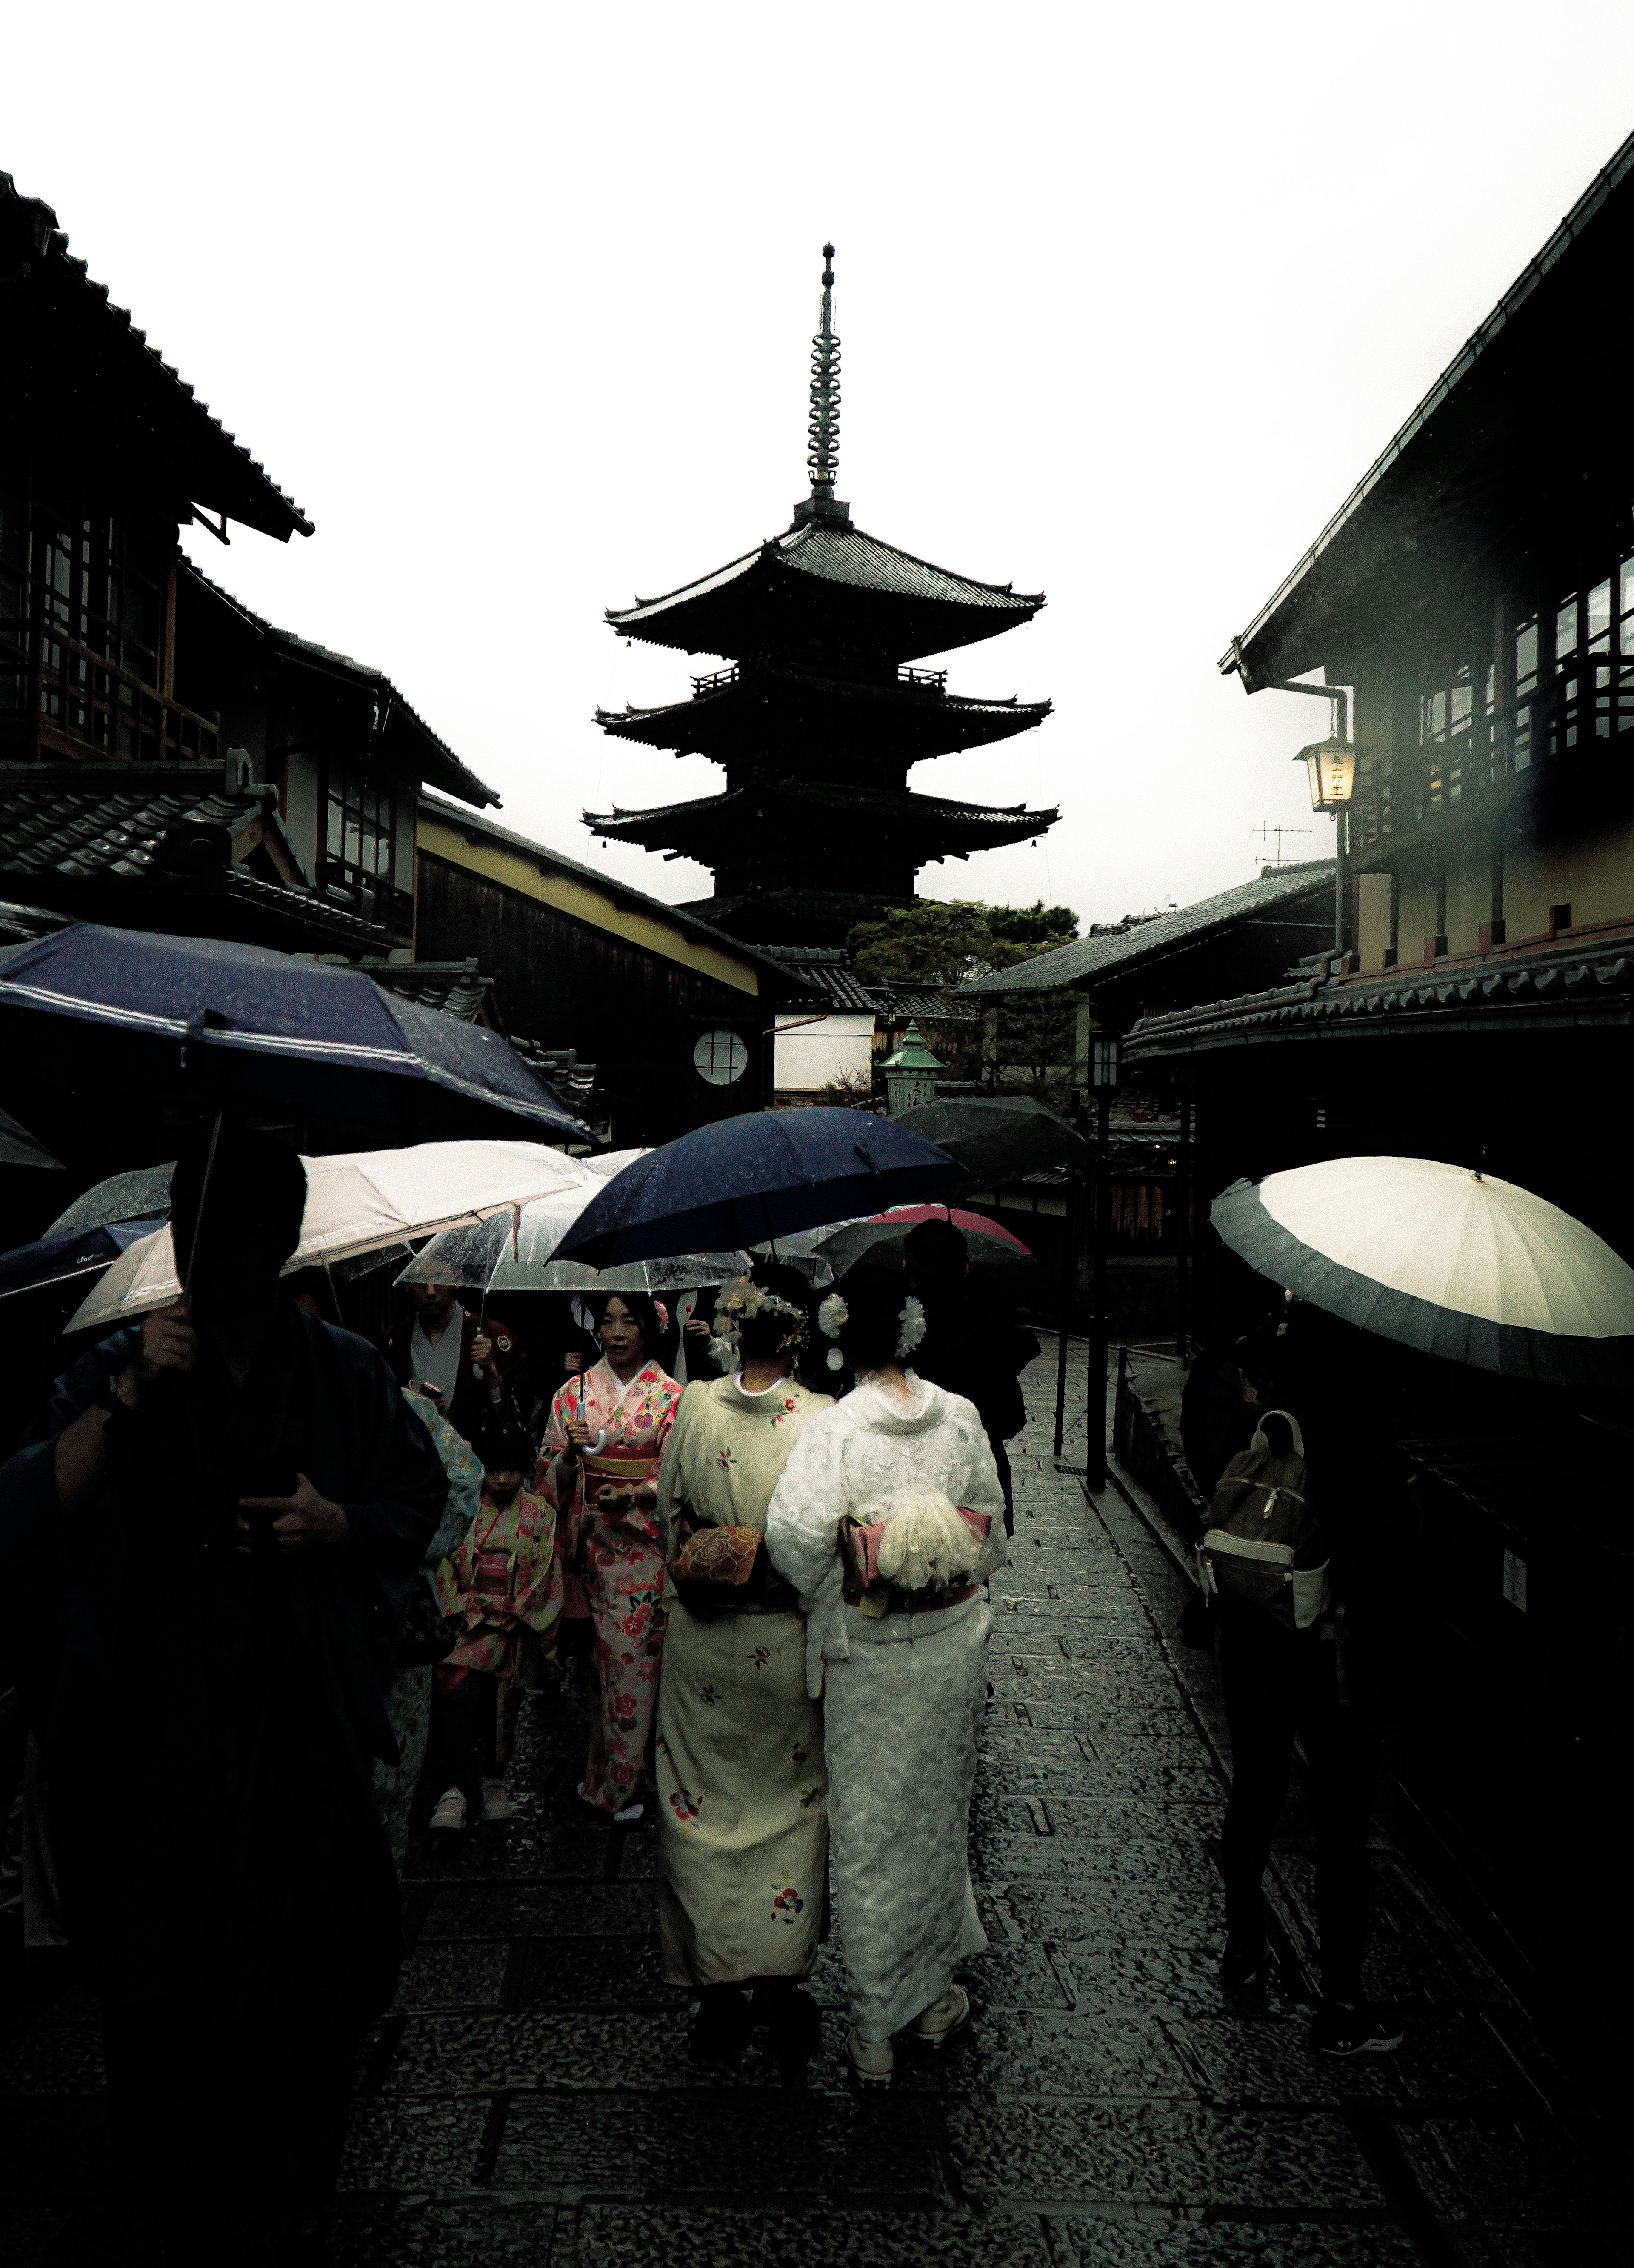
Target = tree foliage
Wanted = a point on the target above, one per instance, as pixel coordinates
(947, 943)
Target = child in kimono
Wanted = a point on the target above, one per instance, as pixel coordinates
(503, 1588)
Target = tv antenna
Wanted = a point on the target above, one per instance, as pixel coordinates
(1267, 833)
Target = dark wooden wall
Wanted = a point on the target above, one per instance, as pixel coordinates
(630, 1011)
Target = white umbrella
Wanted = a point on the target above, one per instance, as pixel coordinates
(362, 1201)
(515, 1255)
(1452, 1262)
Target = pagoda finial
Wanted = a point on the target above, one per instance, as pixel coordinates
(823, 455)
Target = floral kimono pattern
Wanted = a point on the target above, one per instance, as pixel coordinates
(504, 1586)
(607, 1537)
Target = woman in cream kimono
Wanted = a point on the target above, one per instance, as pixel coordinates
(743, 1795)
(597, 1470)
(887, 1519)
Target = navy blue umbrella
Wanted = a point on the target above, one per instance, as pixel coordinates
(244, 1028)
(80, 1252)
(744, 1179)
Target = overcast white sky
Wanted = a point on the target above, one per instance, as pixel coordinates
(516, 302)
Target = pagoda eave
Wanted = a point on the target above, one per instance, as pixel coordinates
(911, 723)
(931, 825)
(835, 584)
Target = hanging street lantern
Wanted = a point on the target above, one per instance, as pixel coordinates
(1330, 767)
(910, 1074)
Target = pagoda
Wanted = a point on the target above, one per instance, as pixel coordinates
(820, 714)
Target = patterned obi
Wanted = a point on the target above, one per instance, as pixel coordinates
(628, 1472)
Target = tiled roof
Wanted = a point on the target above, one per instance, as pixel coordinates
(136, 825)
(840, 555)
(1611, 178)
(63, 820)
(36, 251)
(1091, 957)
(459, 988)
(1584, 984)
(828, 968)
(444, 768)
(918, 720)
(934, 818)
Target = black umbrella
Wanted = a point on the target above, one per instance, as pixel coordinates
(54, 1259)
(744, 1179)
(237, 1026)
(996, 1136)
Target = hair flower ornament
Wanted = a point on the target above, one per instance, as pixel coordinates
(741, 1301)
(832, 1317)
(912, 1320)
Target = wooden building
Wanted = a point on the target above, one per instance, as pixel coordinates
(679, 1019)
(820, 714)
(169, 760)
(1475, 594)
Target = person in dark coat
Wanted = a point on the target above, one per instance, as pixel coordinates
(208, 1553)
(973, 1345)
(466, 1364)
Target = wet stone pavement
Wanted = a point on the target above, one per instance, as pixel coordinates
(530, 2100)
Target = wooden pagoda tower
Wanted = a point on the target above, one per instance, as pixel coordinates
(820, 714)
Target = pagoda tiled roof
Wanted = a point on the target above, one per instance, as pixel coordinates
(858, 590)
(938, 826)
(917, 718)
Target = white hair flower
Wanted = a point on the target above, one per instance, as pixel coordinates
(912, 1320)
(832, 1317)
(738, 1301)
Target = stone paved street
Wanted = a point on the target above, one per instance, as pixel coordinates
(531, 2100)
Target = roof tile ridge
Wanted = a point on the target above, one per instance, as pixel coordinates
(1001, 590)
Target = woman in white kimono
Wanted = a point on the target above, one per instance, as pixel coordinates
(888, 1519)
(743, 1841)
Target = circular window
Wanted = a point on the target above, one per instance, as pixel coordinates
(721, 1057)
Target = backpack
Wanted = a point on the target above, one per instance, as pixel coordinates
(1264, 1560)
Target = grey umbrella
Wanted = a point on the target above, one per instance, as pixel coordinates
(998, 1136)
(19, 1147)
(143, 1194)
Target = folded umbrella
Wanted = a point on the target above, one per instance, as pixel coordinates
(995, 1136)
(1440, 1258)
(241, 1028)
(761, 1176)
(358, 1204)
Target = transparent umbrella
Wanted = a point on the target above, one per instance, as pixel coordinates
(514, 1254)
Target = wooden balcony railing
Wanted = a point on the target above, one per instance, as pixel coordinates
(87, 703)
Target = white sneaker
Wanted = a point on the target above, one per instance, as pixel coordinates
(450, 1810)
(630, 1811)
(497, 1807)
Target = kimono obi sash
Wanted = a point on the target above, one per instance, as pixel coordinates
(873, 1595)
(619, 1467)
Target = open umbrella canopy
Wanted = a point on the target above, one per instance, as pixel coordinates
(358, 1203)
(507, 1254)
(878, 1240)
(142, 1194)
(763, 1175)
(56, 1258)
(1450, 1262)
(19, 1147)
(994, 1136)
(236, 1026)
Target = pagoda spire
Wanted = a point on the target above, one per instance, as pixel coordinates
(822, 454)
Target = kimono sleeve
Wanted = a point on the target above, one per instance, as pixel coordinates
(973, 1483)
(803, 1518)
(669, 1489)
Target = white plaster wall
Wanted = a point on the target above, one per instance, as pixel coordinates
(838, 1045)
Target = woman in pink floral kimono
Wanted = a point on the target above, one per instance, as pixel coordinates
(598, 1467)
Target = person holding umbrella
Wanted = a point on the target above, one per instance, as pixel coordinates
(229, 1505)
(596, 1471)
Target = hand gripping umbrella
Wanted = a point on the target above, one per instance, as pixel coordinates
(1450, 1262)
(752, 1179)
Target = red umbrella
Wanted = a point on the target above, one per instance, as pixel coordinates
(973, 1224)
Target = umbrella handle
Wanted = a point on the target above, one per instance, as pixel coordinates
(198, 1218)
